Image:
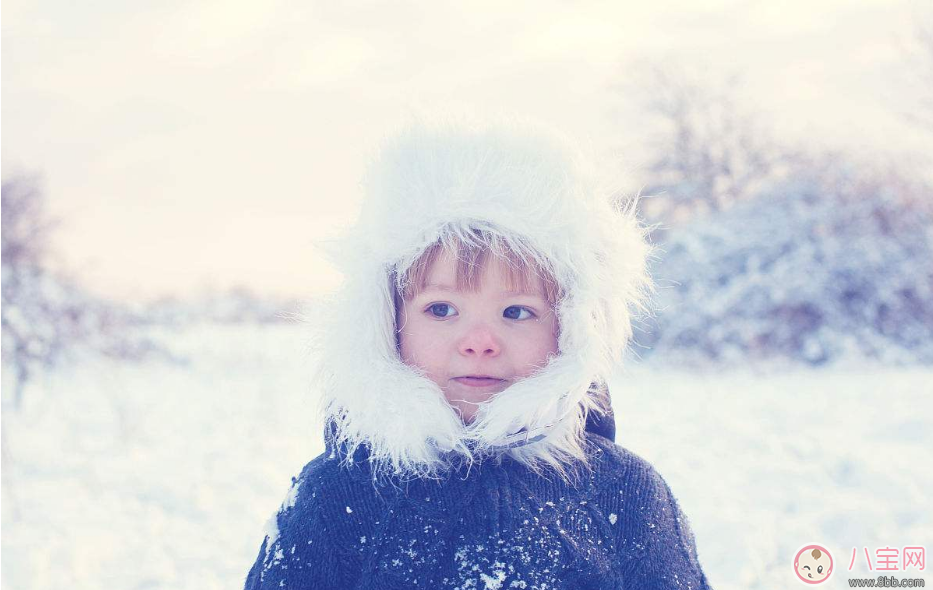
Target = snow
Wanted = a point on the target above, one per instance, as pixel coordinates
(292, 496)
(163, 475)
(271, 531)
(155, 475)
(493, 582)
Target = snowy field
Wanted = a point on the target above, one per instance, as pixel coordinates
(124, 476)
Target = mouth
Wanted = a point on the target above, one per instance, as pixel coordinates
(478, 380)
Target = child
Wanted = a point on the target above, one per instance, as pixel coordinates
(487, 298)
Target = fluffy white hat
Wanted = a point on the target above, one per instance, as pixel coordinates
(538, 194)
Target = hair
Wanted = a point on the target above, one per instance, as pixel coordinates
(473, 251)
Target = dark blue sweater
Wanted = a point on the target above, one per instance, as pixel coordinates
(492, 525)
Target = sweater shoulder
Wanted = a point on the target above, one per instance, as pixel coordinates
(341, 493)
(631, 486)
(313, 539)
(615, 465)
(650, 531)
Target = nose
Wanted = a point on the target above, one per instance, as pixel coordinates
(479, 340)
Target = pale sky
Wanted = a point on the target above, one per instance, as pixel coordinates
(193, 144)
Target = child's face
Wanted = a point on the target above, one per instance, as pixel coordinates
(476, 344)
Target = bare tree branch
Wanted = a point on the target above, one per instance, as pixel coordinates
(709, 153)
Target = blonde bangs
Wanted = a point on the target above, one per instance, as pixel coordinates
(521, 271)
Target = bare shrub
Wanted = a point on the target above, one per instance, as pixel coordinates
(45, 314)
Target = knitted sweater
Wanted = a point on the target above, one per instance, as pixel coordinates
(490, 525)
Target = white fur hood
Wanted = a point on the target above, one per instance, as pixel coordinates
(530, 187)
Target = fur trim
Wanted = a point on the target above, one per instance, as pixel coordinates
(535, 191)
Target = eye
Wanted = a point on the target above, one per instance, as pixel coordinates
(441, 310)
(515, 313)
(819, 570)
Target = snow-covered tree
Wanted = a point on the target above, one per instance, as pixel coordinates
(835, 260)
(44, 314)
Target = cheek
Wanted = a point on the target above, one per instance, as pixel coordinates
(550, 335)
(418, 344)
(535, 350)
(417, 351)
